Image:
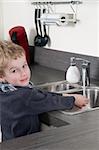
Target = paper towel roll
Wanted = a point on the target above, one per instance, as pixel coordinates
(60, 19)
(57, 18)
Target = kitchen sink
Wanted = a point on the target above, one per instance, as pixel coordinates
(92, 92)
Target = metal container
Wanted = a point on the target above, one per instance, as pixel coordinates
(93, 95)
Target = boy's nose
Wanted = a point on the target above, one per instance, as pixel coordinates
(23, 73)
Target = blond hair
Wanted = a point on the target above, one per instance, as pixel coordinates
(8, 51)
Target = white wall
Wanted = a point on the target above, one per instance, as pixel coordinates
(81, 38)
(17, 12)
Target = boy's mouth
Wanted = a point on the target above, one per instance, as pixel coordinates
(24, 80)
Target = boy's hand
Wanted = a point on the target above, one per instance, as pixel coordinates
(80, 100)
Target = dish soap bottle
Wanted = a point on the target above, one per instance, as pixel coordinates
(73, 73)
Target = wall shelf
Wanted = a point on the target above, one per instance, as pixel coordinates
(60, 19)
(56, 2)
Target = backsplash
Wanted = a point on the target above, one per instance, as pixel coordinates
(61, 60)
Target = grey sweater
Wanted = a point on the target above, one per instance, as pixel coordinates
(20, 108)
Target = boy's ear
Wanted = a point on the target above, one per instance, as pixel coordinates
(2, 79)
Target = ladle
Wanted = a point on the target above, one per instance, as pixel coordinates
(38, 37)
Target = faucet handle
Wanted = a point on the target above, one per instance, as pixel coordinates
(86, 64)
(83, 60)
(86, 61)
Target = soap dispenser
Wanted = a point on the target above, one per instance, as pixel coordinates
(73, 73)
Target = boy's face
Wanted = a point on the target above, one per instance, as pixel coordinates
(17, 72)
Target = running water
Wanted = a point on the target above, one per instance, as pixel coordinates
(84, 81)
(84, 89)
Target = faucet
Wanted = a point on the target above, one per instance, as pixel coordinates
(85, 67)
(86, 72)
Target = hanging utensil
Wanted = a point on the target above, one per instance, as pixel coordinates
(38, 37)
(46, 37)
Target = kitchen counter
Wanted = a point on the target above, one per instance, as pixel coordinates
(81, 132)
(42, 74)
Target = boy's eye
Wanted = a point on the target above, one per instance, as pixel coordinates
(13, 71)
(25, 65)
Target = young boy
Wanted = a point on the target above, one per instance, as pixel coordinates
(21, 102)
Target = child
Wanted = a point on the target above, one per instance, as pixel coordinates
(21, 102)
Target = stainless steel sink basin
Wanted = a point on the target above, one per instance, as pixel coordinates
(93, 95)
(59, 87)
